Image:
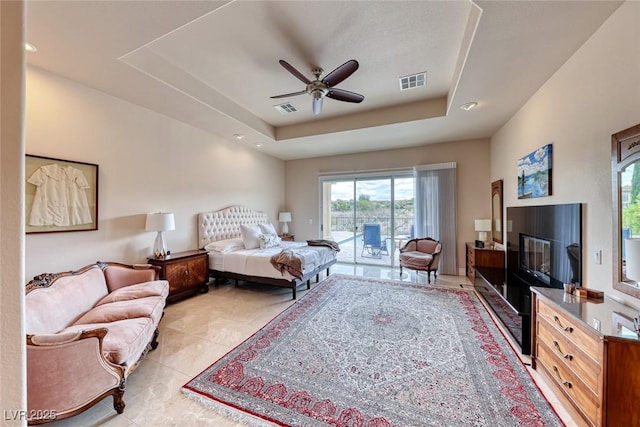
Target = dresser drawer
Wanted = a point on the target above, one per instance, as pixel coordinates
(574, 331)
(583, 365)
(568, 383)
(471, 255)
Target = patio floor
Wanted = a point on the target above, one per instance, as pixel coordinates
(351, 249)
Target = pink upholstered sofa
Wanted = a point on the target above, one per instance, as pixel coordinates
(86, 332)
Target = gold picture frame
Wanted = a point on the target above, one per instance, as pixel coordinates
(61, 195)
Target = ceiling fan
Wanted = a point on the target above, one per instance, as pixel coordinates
(318, 89)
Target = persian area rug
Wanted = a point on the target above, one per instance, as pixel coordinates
(364, 352)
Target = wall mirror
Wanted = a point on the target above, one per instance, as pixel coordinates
(625, 169)
(496, 211)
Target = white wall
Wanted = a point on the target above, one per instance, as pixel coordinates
(595, 94)
(147, 163)
(472, 176)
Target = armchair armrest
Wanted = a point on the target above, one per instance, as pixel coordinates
(67, 373)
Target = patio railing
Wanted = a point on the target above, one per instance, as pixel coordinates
(404, 224)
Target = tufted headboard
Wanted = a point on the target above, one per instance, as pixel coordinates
(225, 223)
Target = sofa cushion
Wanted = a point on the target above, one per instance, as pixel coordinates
(156, 288)
(416, 259)
(126, 339)
(111, 312)
(51, 309)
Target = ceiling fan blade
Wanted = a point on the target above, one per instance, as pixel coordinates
(317, 105)
(344, 95)
(286, 95)
(295, 72)
(341, 73)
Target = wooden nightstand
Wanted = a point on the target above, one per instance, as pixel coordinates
(288, 237)
(187, 273)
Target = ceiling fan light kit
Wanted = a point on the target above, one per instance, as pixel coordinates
(318, 89)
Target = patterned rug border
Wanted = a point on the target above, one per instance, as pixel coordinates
(244, 415)
(507, 338)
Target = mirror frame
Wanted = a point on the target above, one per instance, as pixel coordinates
(496, 189)
(625, 150)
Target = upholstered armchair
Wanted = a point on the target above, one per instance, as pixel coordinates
(421, 254)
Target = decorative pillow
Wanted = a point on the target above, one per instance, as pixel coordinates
(268, 229)
(268, 241)
(224, 246)
(250, 236)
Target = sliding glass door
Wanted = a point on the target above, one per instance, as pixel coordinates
(370, 216)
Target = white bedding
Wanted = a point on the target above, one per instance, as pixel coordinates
(257, 262)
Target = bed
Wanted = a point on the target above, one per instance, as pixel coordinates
(221, 234)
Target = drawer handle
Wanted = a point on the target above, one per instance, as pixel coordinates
(186, 272)
(564, 328)
(563, 382)
(567, 356)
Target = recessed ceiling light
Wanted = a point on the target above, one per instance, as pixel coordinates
(238, 135)
(468, 106)
(29, 47)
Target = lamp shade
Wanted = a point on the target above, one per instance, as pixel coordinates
(160, 221)
(482, 225)
(632, 259)
(284, 217)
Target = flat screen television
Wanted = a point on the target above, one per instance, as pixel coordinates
(544, 244)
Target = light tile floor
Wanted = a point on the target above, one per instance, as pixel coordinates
(197, 331)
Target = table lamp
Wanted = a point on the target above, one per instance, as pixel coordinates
(482, 226)
(160, 222)
(285, 218)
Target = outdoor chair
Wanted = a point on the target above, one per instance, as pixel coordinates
(373, 244)
(421, 254)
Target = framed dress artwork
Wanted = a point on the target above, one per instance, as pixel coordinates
(61, 195)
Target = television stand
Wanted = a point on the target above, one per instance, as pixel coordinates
(510, 302)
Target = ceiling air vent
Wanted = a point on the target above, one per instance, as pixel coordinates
(413, 81)
(285, 108)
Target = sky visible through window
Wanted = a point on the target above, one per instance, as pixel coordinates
(375, 189)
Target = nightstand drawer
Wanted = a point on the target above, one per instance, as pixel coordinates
(182, 275)
(187, 272)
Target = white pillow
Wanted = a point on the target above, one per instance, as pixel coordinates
(268, 241)
(268, 229)
(250, 235)
(227, 245)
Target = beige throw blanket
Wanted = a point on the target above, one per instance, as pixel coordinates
(288, 260)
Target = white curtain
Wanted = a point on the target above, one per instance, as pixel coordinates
(435, 209)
